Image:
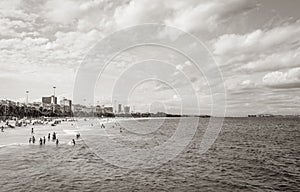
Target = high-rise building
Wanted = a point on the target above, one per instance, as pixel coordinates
(66, 105)
(108, 109)
(120, 108)
(49, 100)
(126, 109)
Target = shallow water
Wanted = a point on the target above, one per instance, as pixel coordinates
(250, 154)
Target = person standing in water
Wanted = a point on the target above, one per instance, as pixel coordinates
(33, 139)
(44, 140)
(53, 136)
(30, 139)
(49, 136)
(32, 130)
(56, 142)
(73, 141)
(2, 129)
(41, 141)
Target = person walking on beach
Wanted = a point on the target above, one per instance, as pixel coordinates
(33, 139)
(56, 142)
(44, 140)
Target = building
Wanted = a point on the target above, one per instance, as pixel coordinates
(66, 105)
(108, 110)
(77, 108)
(36, 105)
(49, 100)
(120, 108)
(99, 109)
(126, 109)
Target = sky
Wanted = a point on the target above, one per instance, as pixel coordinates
(255, 45)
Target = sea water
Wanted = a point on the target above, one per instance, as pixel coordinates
(250, 154)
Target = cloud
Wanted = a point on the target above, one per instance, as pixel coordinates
(206, 16)
(191, 16)
(43, 42)
(62, 11)
(258, 41)
(283, 80)
(275, 61)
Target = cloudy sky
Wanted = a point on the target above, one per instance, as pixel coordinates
(255, 44)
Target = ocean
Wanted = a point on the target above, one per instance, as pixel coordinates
(249, 154)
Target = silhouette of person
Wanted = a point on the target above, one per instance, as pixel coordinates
(2, 129)
(49, 136)
(56, 142)
(41, 141)
(53, 136)
(32, 130)
(30, 139)
(44, 140)
(73, 141)
(33, 139)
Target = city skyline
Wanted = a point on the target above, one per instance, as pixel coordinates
(255, 44)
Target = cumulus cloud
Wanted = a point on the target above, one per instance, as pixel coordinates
(191, 16)
(263, 50)
(62, 11)
(43, 42)
(283, 80)
(275, 61)
(206, 16)
(258, 41)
